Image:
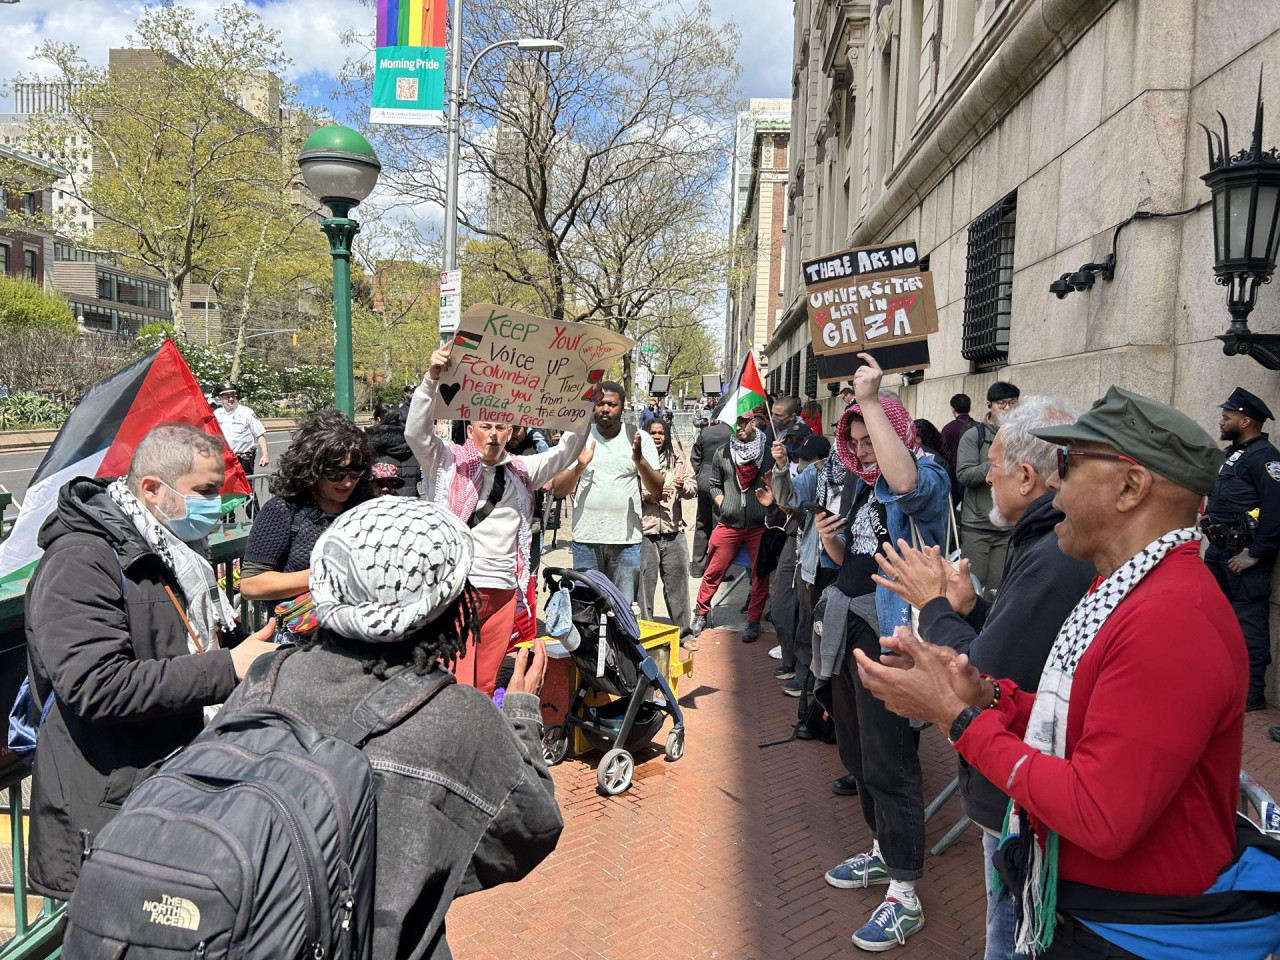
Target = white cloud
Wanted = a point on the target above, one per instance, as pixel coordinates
(765, 51)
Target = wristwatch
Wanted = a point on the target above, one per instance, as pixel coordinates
(961, 723)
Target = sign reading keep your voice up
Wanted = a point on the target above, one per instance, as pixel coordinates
(512, 367)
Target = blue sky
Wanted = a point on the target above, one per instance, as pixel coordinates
(310, 30)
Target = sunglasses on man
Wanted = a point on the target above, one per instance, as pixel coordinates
(1064, 454)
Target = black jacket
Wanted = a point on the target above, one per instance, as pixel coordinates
(710, 439)
(128, 692)
(1012, 636)
(388, 441)
(740, 508)
(465, 801)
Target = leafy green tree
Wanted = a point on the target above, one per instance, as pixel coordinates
(24, 304)
(186, 143)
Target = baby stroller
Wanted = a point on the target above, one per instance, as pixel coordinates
(611, 660)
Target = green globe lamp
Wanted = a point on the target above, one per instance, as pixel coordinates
(340, 169)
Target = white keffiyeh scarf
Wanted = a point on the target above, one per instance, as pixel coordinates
(1047, 729)
(208, 610)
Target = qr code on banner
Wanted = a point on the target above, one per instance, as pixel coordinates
(406, 88)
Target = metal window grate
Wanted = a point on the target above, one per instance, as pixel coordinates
(810, 372)
(793, 374)
(988, 285)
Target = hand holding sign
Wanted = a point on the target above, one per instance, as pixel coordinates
(439, 361)
(514, 368)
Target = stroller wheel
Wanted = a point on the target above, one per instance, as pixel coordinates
(675, 745)
(555, 744)
(613, 775)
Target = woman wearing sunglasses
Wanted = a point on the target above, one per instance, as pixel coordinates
(321, 475)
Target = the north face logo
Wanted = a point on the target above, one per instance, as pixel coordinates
(173, 912)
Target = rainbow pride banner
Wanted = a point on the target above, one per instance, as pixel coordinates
(408, 76)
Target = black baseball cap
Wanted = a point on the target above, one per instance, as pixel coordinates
(813, 447)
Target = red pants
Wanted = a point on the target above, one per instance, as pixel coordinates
(720, 553)
(526, 623)
(479, 668)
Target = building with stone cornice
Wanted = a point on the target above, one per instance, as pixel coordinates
(760, 170)
(1015, 140)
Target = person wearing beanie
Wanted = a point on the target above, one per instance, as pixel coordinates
(464, 798)
(1123, 764)
(982, 543)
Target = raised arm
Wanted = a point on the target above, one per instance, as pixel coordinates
(897, 463)
(431, 451)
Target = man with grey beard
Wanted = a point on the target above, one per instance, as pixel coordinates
(1013, 635)
(983, 544)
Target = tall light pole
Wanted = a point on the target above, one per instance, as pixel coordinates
(208, 287)
(457, 96)
(340, 169)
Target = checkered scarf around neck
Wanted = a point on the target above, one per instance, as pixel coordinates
(747, 457)
(834, 475)
(208, 610)
(1047, 732)
(463, 494)
(899, 419)
(388, 567)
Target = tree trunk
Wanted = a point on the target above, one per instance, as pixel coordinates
(175, 306)
(242, 323)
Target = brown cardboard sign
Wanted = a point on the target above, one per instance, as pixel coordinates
(873, 300)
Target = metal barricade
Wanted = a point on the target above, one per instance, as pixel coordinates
(33, 938)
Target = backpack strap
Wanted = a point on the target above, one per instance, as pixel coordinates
(391, 703)
(481, 513)
(260, 682)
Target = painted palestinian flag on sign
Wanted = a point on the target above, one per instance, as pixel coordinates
(743, 395)
(100, 435)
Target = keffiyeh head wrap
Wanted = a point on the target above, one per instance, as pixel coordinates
(388, 567)
(899, 419)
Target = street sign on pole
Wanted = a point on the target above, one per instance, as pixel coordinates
(450, 301)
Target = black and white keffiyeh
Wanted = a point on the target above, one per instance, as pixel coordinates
(385, 569)
(747, 452)
(1047, 732)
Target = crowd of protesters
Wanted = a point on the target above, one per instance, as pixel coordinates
(1031, 583)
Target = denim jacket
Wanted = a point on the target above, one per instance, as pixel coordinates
(791, 493)
(927, 505)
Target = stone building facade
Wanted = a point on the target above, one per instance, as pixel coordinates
(1015, 140)
(759, 200)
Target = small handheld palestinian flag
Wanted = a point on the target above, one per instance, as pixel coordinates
(99, 437)
(743, 394)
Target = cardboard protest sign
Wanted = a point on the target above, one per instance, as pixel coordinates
(873, 300)
(512, 367)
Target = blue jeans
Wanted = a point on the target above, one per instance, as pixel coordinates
(620, 562)
(1002, 915)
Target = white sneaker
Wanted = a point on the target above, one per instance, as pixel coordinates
(776, 652)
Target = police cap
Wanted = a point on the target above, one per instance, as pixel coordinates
(1242, 401)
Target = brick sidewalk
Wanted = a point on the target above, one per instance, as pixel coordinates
(721, 855)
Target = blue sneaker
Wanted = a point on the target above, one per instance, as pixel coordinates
(889, 927)
(860, 871)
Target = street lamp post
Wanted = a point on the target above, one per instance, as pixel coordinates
(340, 168)
(210, 286)
(457, 96)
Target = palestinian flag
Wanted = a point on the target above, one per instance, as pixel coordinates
(100, 435)
(743, 394)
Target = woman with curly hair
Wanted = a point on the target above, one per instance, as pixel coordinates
(322, 474)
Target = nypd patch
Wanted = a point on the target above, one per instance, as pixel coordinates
(1273, 470)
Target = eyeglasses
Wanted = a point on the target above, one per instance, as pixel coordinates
(353, 472)
(1005, 404)
(1064, 453)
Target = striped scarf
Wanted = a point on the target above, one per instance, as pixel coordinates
(1047, 732)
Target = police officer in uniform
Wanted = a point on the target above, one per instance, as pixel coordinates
(1242, 525)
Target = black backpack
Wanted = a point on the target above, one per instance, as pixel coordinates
(257, 841)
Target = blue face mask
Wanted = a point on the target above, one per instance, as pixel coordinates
(201, 516)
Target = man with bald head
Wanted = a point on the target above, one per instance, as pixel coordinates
(1124, 765)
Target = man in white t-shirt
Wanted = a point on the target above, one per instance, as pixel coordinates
(243, 432)
(605, 483)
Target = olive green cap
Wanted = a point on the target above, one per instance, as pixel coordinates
(1157, 436)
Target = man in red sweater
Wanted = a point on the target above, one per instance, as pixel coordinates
(1124, 766)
